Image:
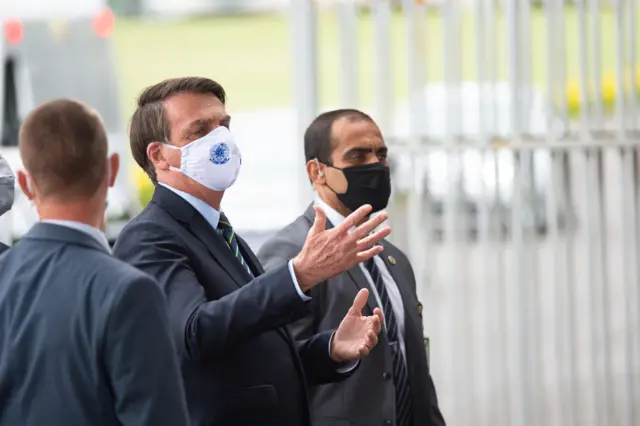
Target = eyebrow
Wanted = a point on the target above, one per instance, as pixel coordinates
(194, 125)
(362, 150)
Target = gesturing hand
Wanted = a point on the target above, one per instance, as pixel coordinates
(327, 253)
(357, 335)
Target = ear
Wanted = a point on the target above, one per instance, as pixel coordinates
(25, 184)
(157, 155)
(315, 173)
(114, 167)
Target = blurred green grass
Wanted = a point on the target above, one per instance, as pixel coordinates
(250, 55)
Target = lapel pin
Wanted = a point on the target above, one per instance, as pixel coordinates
(392, 260)
(419, 308)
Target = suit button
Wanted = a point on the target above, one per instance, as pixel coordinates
(386, 376)
(388, 423)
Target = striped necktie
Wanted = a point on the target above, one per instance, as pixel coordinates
(227, 232)
(400, 373)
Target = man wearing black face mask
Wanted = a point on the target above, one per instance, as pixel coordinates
(346, 161)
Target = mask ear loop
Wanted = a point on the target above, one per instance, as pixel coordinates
(177, 148)
(320, 172)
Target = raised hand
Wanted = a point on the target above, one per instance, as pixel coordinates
(357, 335)
(327, 253)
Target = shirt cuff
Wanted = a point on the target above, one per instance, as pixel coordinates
(346, 367)
(303, 296)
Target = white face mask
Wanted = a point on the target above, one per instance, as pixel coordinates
(213, 160)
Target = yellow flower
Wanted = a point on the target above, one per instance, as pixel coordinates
(143, 185)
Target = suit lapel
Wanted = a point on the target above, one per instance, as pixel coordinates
(250, 258)
(417, 363)
(359, 279)
(412, 319)
(186, 214)
(219, 249)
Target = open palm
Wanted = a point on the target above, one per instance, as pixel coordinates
(357, 334)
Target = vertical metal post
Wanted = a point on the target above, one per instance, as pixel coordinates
(597, 118)
(382, 73)
(414, 18)
(303, 22)
(620, 110)
(583, 68)
(630, 253)
(484, 217)
(348, 22)
(634, 72)
(605, 305)
(523, 414)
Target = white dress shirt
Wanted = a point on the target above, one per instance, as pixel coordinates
(212, 216)
(392, 288)
(94, 233)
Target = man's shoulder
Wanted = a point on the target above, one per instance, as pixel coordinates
(151, 221)
(106, 269)
(88, 270)
(290, 238)
(395, 250)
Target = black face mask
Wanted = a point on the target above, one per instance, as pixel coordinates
(368, 184)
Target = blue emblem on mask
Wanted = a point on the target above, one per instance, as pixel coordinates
(220, 153)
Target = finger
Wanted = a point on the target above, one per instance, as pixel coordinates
(354, 218)
(378, 313)
(372, 339)
(371, 224)
(373, 238)
(363, 351)
(359, 302)
(368, 254)
(319, 222)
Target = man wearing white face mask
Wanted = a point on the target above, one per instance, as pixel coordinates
(240, 365)
(7, 192)
(84, 337)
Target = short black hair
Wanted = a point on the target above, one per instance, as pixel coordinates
(318, 140)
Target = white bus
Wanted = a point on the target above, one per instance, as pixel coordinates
(52, 49)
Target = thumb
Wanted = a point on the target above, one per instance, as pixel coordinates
(320, 221)
(359, 302)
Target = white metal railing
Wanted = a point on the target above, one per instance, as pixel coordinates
(525, 236)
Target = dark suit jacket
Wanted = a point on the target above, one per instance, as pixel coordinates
(239, 364)
(367, 398)
(84, 337)
(3, 248)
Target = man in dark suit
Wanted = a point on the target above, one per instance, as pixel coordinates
(7, 188)
(84, 337)
(347, 165)
(239, 364)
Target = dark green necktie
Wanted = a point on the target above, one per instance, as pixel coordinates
(227, 232)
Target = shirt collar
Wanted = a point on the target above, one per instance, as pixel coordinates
(95, 233)
(211, 215)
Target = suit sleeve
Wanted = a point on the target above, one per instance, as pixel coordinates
(313, 347)
(141, 359)
(205, 328)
